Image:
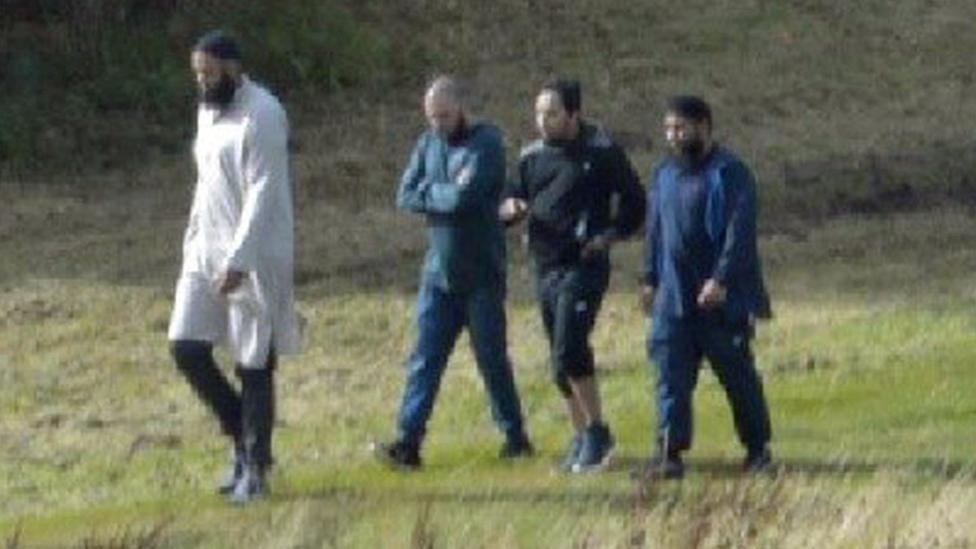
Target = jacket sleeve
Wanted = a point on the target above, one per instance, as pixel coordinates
(740, 231)
(476, 185)
(518, 186)
(652, 235)
(410, 194)
(631, 203)
(193, 224)
(264, 169)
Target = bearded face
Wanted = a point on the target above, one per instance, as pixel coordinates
(216, 80)
(687, 139)
(219, 94)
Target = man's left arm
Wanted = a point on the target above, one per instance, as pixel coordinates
(631, 202)
(477, 182)
(628, 198)
(264, 168)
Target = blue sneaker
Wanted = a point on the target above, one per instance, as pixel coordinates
(572, 454)
(597, 449)
(234, 472)
(251, 486)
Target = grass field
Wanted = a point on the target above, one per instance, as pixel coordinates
(867, 365)
(856, 117)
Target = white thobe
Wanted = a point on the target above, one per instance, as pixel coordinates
(242, 219)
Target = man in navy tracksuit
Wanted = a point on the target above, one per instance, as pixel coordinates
(703, 282)
(455, 178)
(580, 194)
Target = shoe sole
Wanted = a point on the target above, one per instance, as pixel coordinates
(244, 500)
(758, 469)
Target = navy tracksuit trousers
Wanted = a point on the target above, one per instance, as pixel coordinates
(676, 346)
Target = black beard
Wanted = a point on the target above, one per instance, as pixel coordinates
(457, 135)
(220, 95)
(691, 153)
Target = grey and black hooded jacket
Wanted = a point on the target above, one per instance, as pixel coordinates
(576, 190)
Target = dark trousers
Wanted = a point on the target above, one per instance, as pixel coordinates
(246, 417)
(677, 346)
(569, 300)
(441, 315)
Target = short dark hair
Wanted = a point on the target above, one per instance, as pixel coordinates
(219, 44)
(569, 93)
(691, 107)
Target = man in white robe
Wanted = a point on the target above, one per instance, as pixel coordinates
(236, 283)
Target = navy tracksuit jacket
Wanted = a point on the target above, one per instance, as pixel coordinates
(701, 224)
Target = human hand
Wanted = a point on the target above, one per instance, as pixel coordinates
(230, 281)
(595, 246)
(647, 298)
(712, 295)
(464, 176)
(512, 210)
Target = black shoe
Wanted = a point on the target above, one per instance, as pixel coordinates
(252, 485)
(519, 447)
(596, 450)
(660, 466)
(571, 457)
(234, 472)
(398, 454)
(757, 461)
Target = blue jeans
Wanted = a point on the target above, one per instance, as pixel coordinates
(677, 346)
(441, 315)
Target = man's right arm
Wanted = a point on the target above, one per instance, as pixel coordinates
(192, 224)
(652, 244)
(410, 195)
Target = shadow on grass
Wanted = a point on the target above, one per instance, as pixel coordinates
(625, 496)
(716, 468)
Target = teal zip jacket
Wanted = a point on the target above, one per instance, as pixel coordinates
(456, 184)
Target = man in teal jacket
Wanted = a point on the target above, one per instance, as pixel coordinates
(454, 179)
(702, 274)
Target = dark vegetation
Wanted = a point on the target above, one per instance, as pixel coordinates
(840, 107)
(88, 85)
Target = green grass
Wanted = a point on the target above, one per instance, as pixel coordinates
(867, 366)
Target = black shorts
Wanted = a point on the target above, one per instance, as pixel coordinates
(569, 299)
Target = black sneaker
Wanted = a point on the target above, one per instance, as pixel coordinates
(398, 454)
(596, 450)
(572, 453)
(667, 467)
(757, 461)
(516, 448)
